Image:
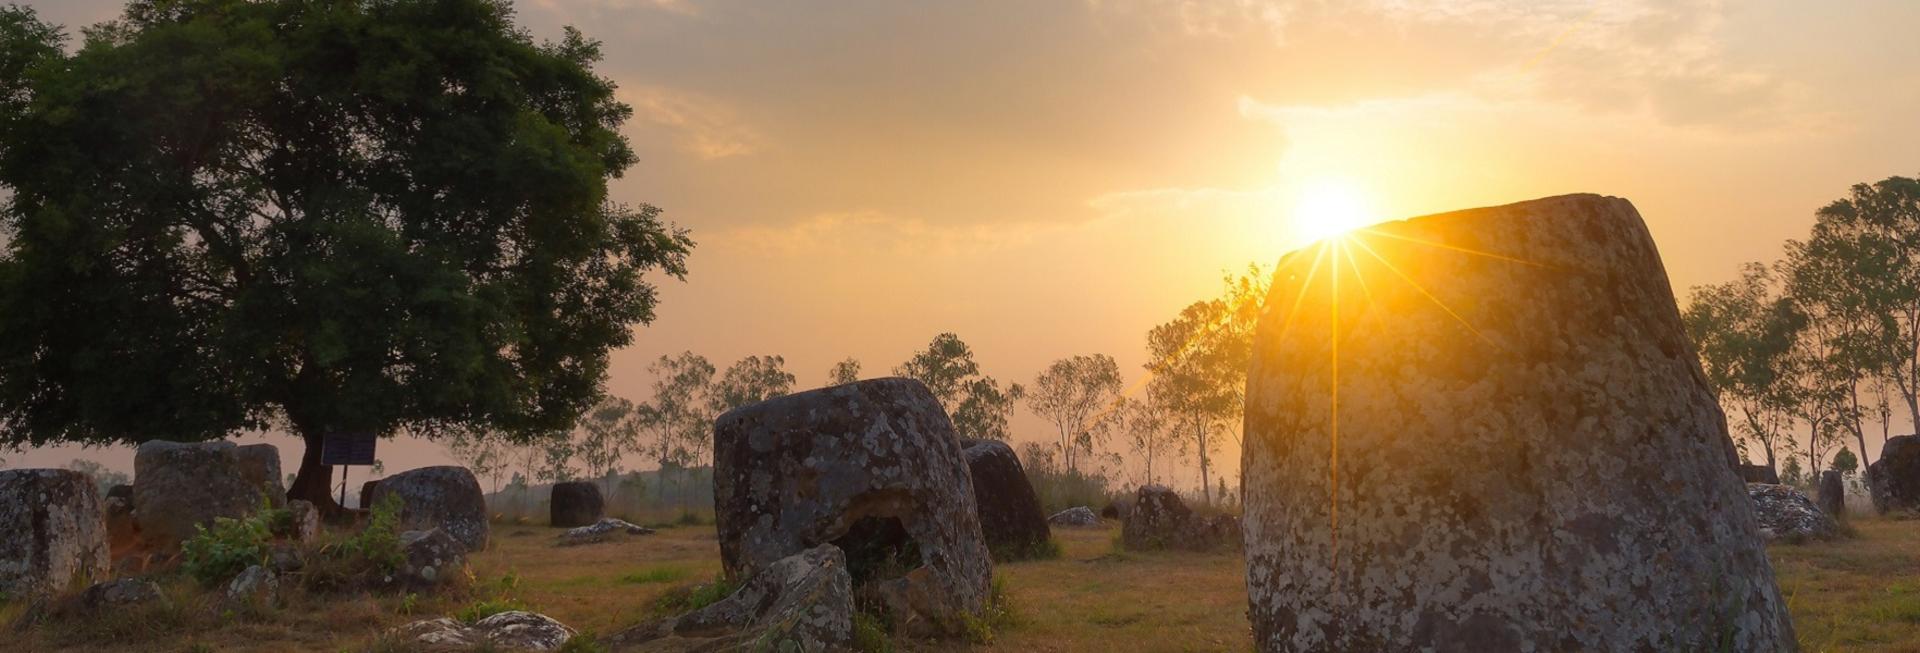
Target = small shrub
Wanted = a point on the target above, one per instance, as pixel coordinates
(212, 556)
(686, 599)
(870, 634)
(996, 616)
(585, 642)
(408, 604)
(378, 545)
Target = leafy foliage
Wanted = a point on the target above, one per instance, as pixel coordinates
(844, 372)
(239, 214)
(214, 555)
(979, 407)
(1078, 395)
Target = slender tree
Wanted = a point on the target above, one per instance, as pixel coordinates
(1078, 396)
(979, 408)
(326, 217)
(750, 380)
(844, 372)
(679, 417)
(1872, 237)
(1744, 332)
(605, 433)
(1149, 432)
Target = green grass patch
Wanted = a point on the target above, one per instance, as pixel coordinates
(660, 574)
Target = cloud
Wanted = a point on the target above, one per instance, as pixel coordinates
(707, 128)
(862, 233)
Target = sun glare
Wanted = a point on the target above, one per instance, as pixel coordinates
(1327, 208)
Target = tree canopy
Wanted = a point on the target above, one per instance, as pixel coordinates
(338, 216)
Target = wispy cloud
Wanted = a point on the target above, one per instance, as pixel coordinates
(707, 128)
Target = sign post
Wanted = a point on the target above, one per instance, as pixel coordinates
(345, 448)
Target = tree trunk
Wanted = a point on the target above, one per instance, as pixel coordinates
(314, 481)
(1206, 490)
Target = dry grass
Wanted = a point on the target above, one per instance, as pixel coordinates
(1861, 594)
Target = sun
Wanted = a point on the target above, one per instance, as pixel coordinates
(1328, 208)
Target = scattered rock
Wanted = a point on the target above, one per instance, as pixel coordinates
(254, 582)
(1785, 513)
(575, 503)
(1529, 457)
(1118, 508)
(1009, 511)
(180, 485)
(260, 465)
(803, 602)
(119, 594)
(305, 523)
(1075, 517)
(445, 497)
(513, 630)
(1894, 479)
(433, 556)
(52, 532)
(872, 467)
(285, 558)
(1833, 494)
(1161, 520)
(1757, 474)
(601, 531)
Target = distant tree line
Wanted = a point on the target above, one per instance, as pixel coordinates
(1807, 350)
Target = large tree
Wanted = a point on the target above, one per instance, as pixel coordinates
(679, 416)
(326, 217)
(1078, 396)
(1745, 332)
(1871, 239)
(750, 380)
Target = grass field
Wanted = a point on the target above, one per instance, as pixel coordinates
(1855, 595)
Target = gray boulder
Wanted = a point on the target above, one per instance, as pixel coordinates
(1894, 479)
(432, 557)
(1528, 455)
(513, 630)
(119, 594)
(803, 602)
(1160, 519)
(260, 465)
(1075, 517)
(575, 503)
(445, 497)
(1010, 516)
(1833, 494)
(1786, 514)
(52, 532)
(872, 467)
(305, 522)
(180, 485)
(601, 531)
(254, 583)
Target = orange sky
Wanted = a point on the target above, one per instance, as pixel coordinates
(1054, 178)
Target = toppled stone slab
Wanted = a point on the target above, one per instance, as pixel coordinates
(1529, 457)
(52, 532)
(182, 485)
(119, 594)
(575, 503)
(445, 497)
(1786, 514)
(601, 531)
(872, 467)
(1075, 517)
(514, 630)
(803, 602)
(1010, 516)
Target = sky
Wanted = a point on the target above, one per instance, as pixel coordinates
(1054, 178)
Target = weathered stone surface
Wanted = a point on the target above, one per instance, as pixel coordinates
(445, 497)
(1528, 458)
(513, 630)
(1010, 516)
(1833, 494)
(575, 503)
(260, 465)
(121, 491)
(1757, 473)
(1159, 519)
(1118, 508)
(180, 485)
(872, 467)
(119, 594)
(121, 529)
(254, 583)
(432, 555)
(1075, 517)
(1895, 477)
(803, 602)
(306, 520)
(51, 532)
(601, 531)
(366, 494)
(1785, 513)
